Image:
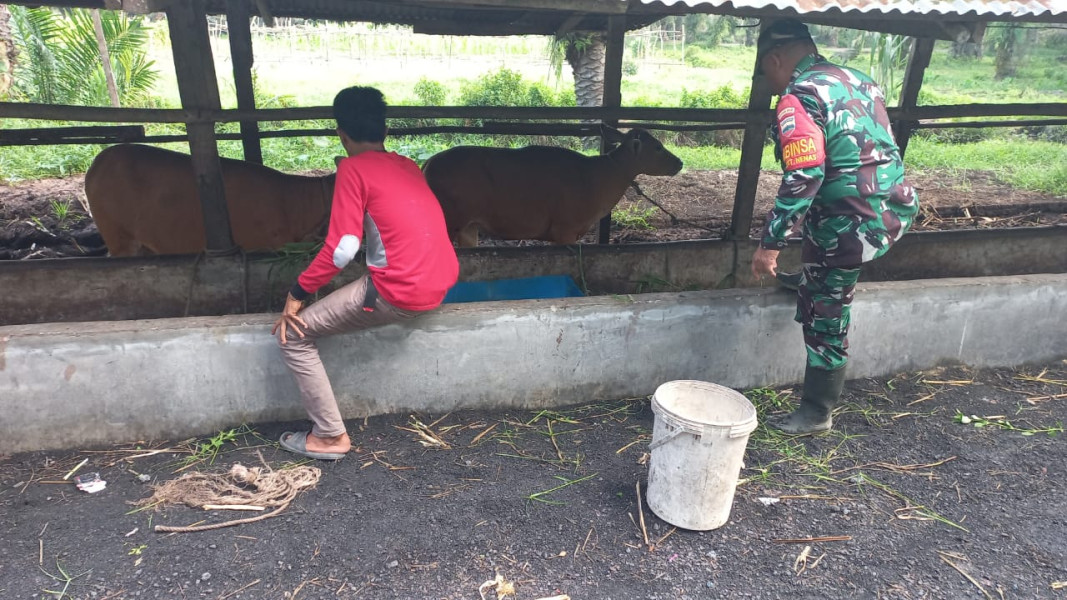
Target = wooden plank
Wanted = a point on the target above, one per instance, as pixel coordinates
(980, 124)
(921, 51)
(99, 114)
(612, 7)
(492, 128)
(238, 25)
(88, 4)
(62, 112)
(759, 102)
(983, 110)
(616, 44)
(198, 88)
(98, 134)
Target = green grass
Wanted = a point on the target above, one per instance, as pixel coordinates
(394, 59)
(718, 157)
(1039, 78)
(1027, 164)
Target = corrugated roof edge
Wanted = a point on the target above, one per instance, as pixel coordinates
(993, 9)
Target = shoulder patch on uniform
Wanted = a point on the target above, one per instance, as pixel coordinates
(801, 140)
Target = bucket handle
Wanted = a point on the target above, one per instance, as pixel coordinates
(663, 440)
(743, 429)
(735, 432)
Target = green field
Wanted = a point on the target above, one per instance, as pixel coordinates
(306, 66)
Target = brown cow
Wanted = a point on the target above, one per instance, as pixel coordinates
(539, 192)
(145, 201)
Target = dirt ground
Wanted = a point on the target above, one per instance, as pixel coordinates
(903, 500)
(46, 218)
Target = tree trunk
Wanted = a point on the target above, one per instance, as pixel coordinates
(8, 54)
(1005, 64)
(587, 63)
(586, 58)
(105, 58)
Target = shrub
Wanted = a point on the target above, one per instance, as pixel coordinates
(539, 94)
(721, 97)
(502, 88)
(430, 93)
(695, 56)
(962, 135)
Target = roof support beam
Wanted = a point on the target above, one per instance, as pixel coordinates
(759, 101)
(616, 43)
(199, 89)
(921, 51)
(608, 7)
(238, 25)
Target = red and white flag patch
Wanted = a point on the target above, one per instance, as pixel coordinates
(801, 139)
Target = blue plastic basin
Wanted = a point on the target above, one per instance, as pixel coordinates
(526, 288)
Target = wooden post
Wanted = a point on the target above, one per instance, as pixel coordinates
(759, 100)
(616, 43)
(199, 90)
(921, 50)
(238, 23)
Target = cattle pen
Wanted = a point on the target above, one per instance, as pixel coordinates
(501, 449)
(992, 292)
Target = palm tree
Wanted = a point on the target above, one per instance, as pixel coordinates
(64, 57)
(7, 51)
(585, 53)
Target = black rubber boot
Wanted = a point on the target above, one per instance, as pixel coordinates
(822, 390)
(790, 281)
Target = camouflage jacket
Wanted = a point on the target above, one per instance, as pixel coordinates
(843, 176)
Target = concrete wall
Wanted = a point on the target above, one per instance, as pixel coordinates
(95, 289)
(77, 384)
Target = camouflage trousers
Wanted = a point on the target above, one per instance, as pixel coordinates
(824, 308)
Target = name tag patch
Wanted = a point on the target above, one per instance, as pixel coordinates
(801, 140)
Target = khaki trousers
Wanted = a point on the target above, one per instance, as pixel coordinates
(340, 312)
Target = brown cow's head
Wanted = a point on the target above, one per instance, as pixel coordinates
(644, 152)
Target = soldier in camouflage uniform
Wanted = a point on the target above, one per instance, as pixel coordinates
(843, 183)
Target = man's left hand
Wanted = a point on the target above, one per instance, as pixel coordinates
(290, 318)
(764, 262)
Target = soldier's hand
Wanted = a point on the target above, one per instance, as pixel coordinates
(764, 262)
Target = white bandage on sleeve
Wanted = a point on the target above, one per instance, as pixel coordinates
(345, 251)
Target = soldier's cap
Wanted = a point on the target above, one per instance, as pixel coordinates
(780, 33)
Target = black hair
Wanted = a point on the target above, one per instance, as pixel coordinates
(360, 113)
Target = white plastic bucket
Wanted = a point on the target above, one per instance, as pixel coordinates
(698, 444)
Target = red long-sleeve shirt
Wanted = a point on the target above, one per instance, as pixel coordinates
(381, 201)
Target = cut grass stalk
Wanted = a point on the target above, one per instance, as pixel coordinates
(811, 540)
(965, 574)
(641, 516)
(910, 505)
(1001, 422)
(485, 432)
(895, 468)
(427, 437)
(540, 496)
(65, 578)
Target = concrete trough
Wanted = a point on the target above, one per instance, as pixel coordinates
(116, 289)
(65, 385)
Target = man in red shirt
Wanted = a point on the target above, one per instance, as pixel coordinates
(382, 203)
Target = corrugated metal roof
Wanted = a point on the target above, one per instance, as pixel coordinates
(938, 18)
(1052, 10)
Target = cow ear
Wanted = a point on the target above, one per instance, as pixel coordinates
(337, 160)
(610, 134)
